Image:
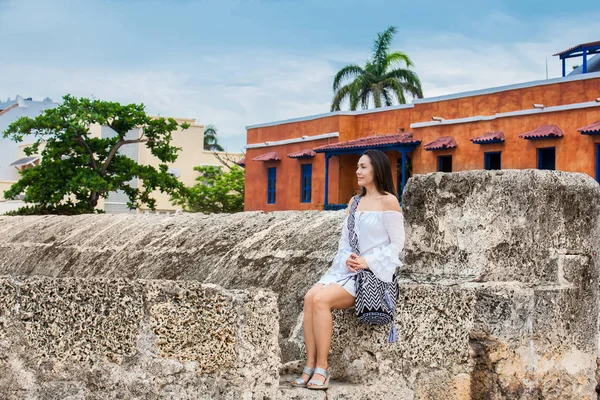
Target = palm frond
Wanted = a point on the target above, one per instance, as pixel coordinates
(210, 138)
(210, 129)
(396, 87)
(347, 72)
(363, 97)
(386, 77)
(354, 98)
(399, 59)
(341, 95)
(389, 100)
(410, 78)
(382, 45)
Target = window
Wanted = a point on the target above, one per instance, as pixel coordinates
(306, 178)
(444, 163)
(547, 158)
(598, 162)
(271, 183)
(492, 160)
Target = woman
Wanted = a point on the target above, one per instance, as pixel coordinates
(379, 226)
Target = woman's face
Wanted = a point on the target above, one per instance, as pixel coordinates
(364, 171)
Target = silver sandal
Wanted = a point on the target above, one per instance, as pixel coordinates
(316, 385)
(301, 383)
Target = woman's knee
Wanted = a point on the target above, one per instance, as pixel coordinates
(308, 297)
(320, 301)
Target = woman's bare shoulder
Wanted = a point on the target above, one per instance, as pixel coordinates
(390, 202)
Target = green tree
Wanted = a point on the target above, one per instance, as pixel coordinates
(215, 191)
(78, 169)
(210, 138)
(386, 77)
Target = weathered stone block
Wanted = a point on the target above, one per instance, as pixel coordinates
(499, 225)
(433, 323)
(113, 338)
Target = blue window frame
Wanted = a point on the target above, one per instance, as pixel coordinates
(547, 158)
(598, 162)
(271, 185)
(444, 163)
(492, 160)
(306, 181)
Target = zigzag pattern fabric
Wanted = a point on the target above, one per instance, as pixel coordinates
(351, 221)
(372, 305)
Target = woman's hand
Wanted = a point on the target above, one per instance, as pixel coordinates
(355, 263)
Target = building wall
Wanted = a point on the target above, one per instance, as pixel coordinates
(574, 152)
(393, 121)
(523, 98)
(192, 154)
(12, 111)
(294, 130)
(288, 186)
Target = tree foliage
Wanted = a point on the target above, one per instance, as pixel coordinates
(77, 168)
(211, 142)
(216, 191)
(385, 78)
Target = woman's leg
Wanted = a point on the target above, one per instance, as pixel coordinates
(332, 297)
(309, 338)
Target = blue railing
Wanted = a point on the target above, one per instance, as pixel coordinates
(335, 207)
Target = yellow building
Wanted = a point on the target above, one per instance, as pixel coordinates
(192, 154)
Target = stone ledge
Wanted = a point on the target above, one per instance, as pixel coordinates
(509, 225)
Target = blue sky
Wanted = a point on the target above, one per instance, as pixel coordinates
(237, 63)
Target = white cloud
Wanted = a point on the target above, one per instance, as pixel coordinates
(230, 92)
(234, 88)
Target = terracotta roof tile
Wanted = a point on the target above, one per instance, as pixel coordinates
(270, 156)
(444, 142)
(242, 161)
(372, 141)
(490, 137)
(593, 129)
(305, 153)
(589, 44)
(543, 132)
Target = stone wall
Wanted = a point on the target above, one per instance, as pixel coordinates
(526, 245)
(115, 338)
(499, 289)
(285, 251)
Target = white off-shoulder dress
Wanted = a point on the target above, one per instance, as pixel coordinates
(380, 240)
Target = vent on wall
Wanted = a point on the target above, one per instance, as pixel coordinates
(174, 172)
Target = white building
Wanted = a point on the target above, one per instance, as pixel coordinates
(10, 111)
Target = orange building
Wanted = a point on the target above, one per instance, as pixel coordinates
(309, 163)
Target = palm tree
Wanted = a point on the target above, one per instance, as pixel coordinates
(385, 78)
(210, 138)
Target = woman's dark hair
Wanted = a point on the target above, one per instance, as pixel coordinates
(382, 172)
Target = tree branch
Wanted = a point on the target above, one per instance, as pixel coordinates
(92, 159)
(225, 159)
(114, 151)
